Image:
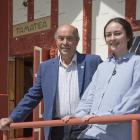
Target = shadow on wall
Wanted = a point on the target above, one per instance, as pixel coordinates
(136, 45)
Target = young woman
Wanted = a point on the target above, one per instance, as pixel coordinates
(115, 87)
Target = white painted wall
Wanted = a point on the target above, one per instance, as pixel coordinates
(42, 8)
(19, 12)
(102, 11)
(71, 12)
(137, 9)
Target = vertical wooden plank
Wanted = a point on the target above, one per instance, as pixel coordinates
(36, 112)
(11, 88)
(19, 87)
(19, 79)
(11, 84)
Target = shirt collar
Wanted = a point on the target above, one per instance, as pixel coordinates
(73, 61)
(125, 57)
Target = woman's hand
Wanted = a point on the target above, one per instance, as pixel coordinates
(67, 118)
(87, 118)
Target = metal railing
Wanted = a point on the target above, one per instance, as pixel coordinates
(132, 118)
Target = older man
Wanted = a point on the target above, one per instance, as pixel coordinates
(60, 82)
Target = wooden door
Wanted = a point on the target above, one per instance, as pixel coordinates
(16, 89)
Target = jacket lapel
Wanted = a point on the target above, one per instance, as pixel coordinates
(81, 69)
(55, 71)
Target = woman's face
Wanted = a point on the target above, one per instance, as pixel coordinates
(116, 39)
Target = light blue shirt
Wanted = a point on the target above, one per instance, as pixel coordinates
(114, 90)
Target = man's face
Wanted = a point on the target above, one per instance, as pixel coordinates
(66, 41)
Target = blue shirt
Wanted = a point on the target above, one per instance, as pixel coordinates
(114, 90)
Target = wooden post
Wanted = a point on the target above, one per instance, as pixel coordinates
(5, 135)
(135, 130)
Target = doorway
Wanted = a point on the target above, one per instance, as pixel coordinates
(20, 79)
(28, 82)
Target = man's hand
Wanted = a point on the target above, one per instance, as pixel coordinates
(5, 123)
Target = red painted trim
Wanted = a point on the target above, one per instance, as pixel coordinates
(30, 10)
(4, 107)
(3, 94)
(54, 14)
(10, 7)
(130, 8)
(4, 44)
(45, 54)
(30, 138)
(87, 25)
(130, 14)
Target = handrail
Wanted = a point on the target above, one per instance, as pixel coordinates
(133, 118)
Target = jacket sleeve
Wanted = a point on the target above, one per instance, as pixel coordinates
(86, 101)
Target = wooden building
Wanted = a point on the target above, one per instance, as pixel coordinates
(27, 30)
